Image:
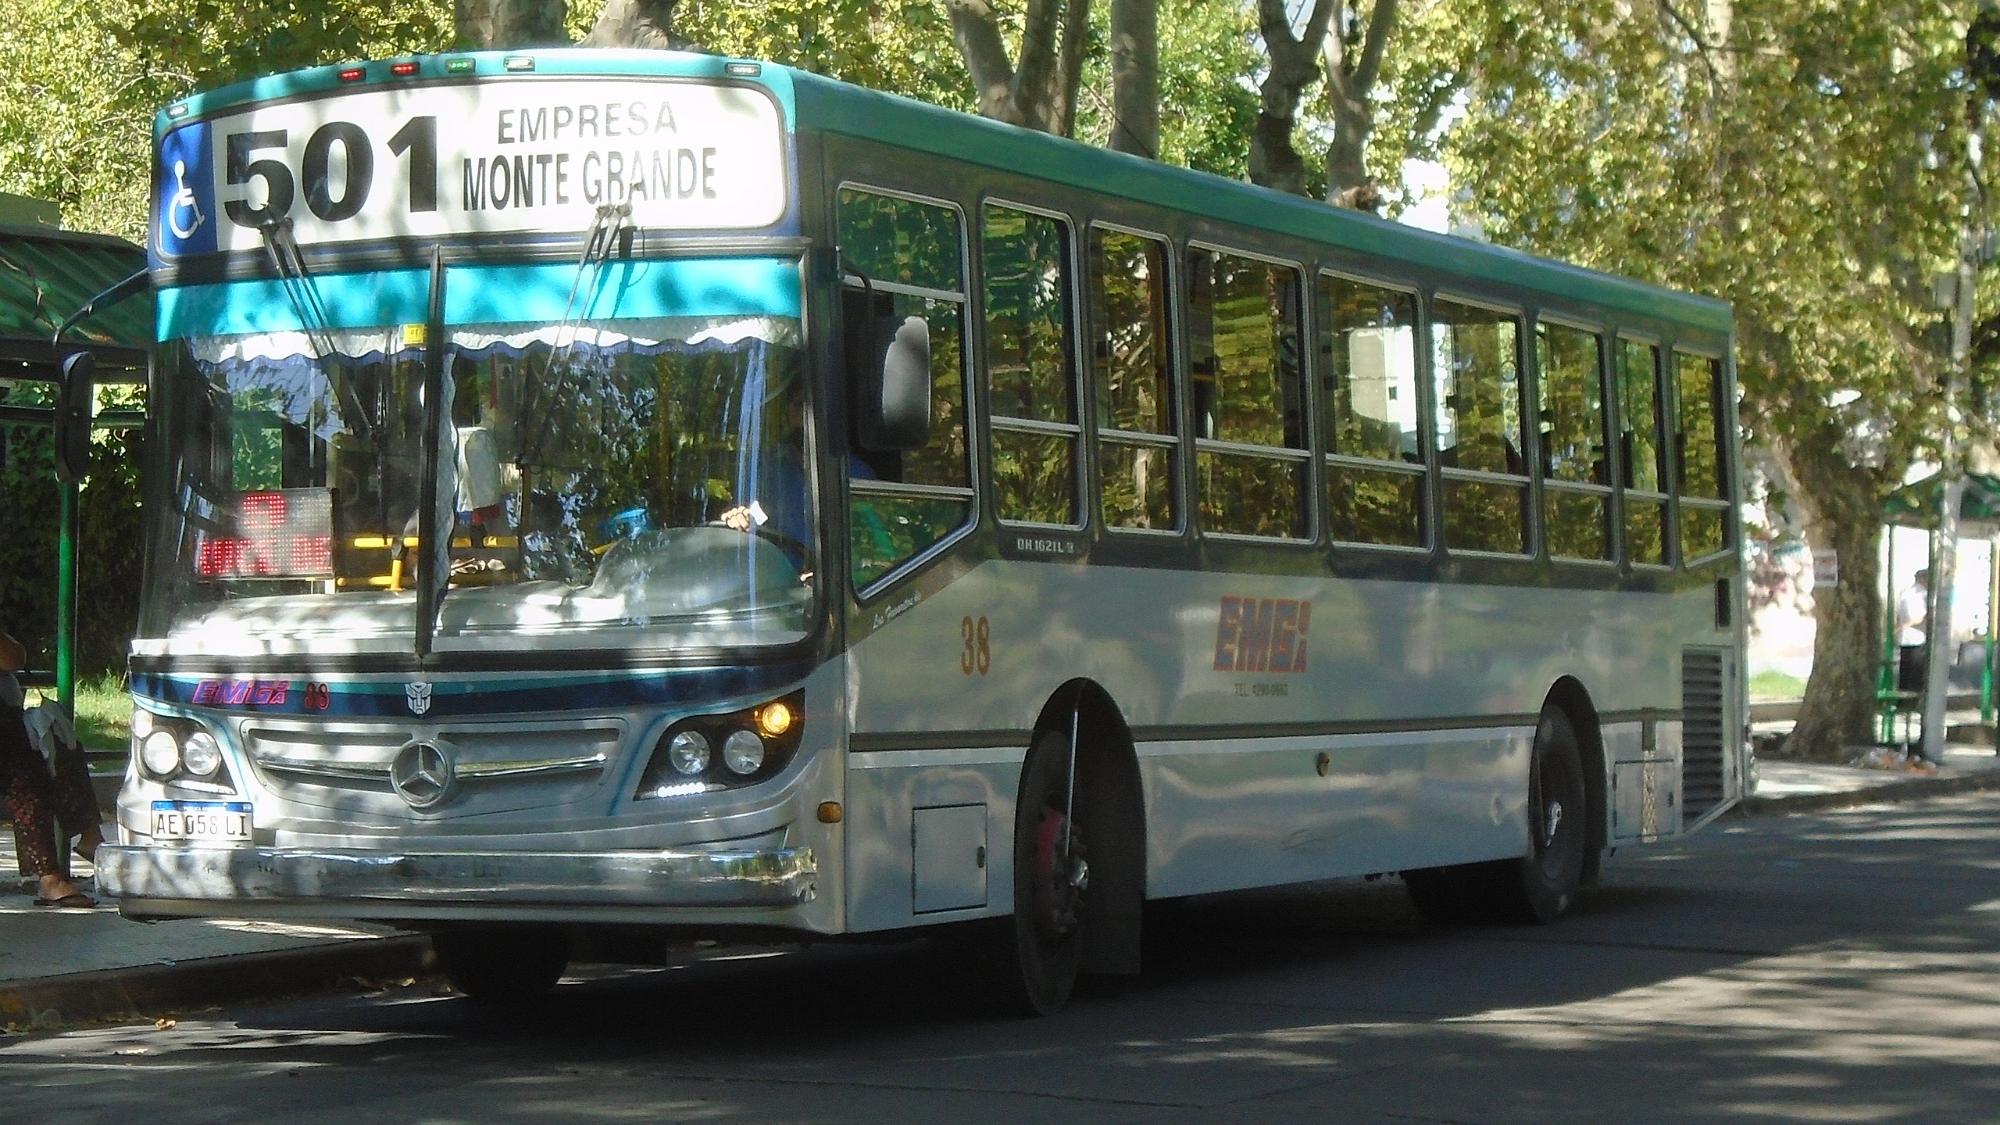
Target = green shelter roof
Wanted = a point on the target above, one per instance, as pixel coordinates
(1916, 504)
(46, 275)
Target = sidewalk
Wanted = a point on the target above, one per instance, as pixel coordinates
(66, 966)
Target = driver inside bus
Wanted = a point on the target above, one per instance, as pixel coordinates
(773, 490)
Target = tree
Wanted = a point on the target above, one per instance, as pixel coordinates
(1039, 90)
(634, 23)
(1353, 65)
(1135, 77)
(483, 24)
(1294, 65)
(1803, 159)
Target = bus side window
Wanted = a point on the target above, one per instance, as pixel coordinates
(1576, 482)
(1030, 373)
(903, 504)
(1476, 365)
(1644, 453)
(1700, 441)
(1375, 461)
(1250, 453)
(1137, 433)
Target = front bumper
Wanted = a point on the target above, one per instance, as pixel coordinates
(358, 883)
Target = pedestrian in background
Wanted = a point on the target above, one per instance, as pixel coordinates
(1913, 609)
(36, 795)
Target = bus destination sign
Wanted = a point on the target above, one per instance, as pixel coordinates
(477, 158)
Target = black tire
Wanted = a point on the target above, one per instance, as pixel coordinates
(1039, 949)
(502, 965)
(1539, 887)
(1545, 881)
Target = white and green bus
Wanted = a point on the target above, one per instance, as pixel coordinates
(624, 495)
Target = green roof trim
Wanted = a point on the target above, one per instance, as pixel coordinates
(47, 275)
(836, 107)
(814, 102)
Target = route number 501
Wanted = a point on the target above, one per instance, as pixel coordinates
(329, 202)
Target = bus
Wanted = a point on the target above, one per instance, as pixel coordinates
(607, 496)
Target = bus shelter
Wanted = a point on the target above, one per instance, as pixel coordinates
(60, 297)
(1917, 505)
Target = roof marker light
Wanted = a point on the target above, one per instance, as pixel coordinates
(177, 111)
(458, 66)
(520, 62)
(743, 69)
(353, 73)
(403, 69)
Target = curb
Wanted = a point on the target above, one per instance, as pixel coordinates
(47, 1002)
(1908, 789)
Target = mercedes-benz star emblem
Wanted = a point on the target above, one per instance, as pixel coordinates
(422, 774)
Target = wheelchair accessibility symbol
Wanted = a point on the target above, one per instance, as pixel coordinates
(183, 201)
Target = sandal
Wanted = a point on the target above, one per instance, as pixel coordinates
(74, 901)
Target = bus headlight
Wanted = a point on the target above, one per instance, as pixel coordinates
(703, 753)
(179, 751)
(160, 753)
(743, 752)
(200, 754)
(688, 751)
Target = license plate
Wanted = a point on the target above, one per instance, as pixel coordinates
(226, 821)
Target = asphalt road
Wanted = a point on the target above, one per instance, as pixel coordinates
(1836, 967)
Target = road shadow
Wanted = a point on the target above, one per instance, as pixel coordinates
(1838, 965)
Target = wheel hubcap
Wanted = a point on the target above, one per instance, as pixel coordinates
(1059, 879)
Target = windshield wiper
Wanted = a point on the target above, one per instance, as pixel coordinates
(290, 264)
(436, 505)
(597, 247)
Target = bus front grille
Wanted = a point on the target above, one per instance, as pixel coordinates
(1702, 727)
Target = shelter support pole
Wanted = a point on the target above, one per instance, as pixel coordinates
(1992, 621)
(66, 601)
(1888, 683)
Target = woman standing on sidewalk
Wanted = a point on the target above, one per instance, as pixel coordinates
(32, 797)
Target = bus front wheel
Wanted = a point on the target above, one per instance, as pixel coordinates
(502, 965)
(1040, 948)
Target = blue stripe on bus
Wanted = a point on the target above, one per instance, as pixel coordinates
(722, 287)
(484, 698)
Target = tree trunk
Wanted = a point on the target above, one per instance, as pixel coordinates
(1039, 92)
(1841, 507)
(503, 24)
(1274, 161)
(1351, 74)
(1135, 77)
(646, 24)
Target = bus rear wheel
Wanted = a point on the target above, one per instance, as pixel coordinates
(499, 965)
(1548, 877)
(1538, 887)
(1040, 948)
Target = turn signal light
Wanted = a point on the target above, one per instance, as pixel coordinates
(775, 719)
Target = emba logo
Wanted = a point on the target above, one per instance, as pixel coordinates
(1262, 635)
(419, 695)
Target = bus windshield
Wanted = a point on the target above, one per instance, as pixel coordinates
(625, 482)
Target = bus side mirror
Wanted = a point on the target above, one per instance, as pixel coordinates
(894, 404)
(73, 403)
